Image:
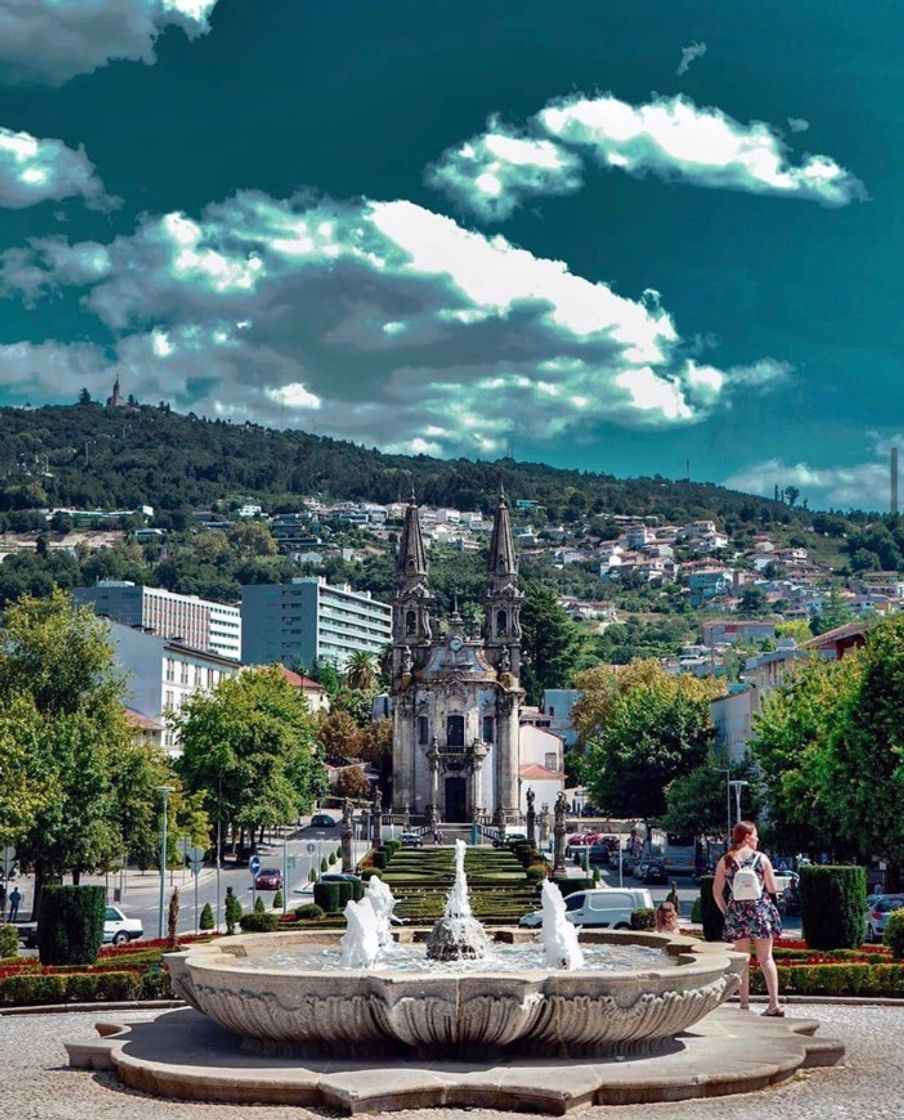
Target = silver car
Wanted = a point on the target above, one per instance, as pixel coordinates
(881, 906)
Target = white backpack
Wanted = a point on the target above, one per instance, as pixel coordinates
(746, 885)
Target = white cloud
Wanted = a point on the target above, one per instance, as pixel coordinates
(53, 40)
(798, 124)
(392, 323)
(688, 55)
(673, 138)
(862, 485)
(491, 174)
(33, 171)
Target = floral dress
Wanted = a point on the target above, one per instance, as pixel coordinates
(757, 917)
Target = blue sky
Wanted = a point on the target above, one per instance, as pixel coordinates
(621, 236)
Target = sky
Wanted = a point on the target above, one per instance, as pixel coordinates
(634, 237)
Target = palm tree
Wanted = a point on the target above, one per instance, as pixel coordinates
(361, 671)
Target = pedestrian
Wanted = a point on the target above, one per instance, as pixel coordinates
(14, 899)
(750, 912)
(666, 918)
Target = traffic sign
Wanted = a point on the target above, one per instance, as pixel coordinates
(290, 862)
(254, 864)
(312, 847)
(195, 858)
(7, 857)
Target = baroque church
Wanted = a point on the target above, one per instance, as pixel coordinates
(456, 697)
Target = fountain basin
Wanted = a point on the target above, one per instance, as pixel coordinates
(455, 1013)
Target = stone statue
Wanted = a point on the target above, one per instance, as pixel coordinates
(505, 661)
(531, 818)
(544, 823)
(346, 834)
(407, 659)
(376, 818)
(559, 835)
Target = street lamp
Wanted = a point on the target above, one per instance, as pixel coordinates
(166, 791)
(736, 784)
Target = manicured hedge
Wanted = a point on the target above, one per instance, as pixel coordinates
(260, 923)
(332, 897)
(644, 918)
(71, 924)
(893, 936)
(309, 911)
(835, 980)
(9, 942)
(713, 919)
(84, 987)
(832, 904)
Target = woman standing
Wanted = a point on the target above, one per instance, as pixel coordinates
(753, 914)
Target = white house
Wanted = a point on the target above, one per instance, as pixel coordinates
(542, 766)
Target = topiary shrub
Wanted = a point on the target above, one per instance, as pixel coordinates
(324, 866)
(893, 936)
(697, 911)
(643, 918)
(312, 876)
(233, 910)
(597, 878)
(332, 859)
(832, 903)
(71, 924)
(260, 906)
(326, 896)
(371, 873)
(391, 847)
(710, 914)
(672, 896)
(309, 911)
(380, 860)
(206, 921)
(569, 886)
(9, 942)
(536, 873)
(259, 923)
(278, 901)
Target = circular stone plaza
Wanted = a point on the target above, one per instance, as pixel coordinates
(867, 1084)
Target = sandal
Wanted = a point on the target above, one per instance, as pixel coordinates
(774, 1013)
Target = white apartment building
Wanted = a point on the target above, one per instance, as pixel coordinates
(308, 622)
(161, 675)
(199, 623)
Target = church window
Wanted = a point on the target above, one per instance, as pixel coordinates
(455, 731)
(501, 623)
(423, 730)
(552, 761)
(410, 623)
(488, 729)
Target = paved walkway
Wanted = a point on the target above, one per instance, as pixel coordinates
(868, 1086)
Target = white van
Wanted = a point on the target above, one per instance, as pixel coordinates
(603, 907)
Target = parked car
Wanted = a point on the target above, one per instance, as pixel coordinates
(874, 922)
(600, 852)
(509, 839)
(411, 840)
(603, 907)
(583, 837)
(323, 820)
(118, 929)
(654, 872)
(268, 879)
(339, 877)
(640, 868)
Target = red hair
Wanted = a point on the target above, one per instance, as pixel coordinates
(739, 837)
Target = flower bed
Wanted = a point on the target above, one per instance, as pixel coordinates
(125, 972)
(868, 971)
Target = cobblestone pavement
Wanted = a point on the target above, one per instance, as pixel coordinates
(869, 1085)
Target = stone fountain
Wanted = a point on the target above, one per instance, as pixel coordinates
(273, 1012)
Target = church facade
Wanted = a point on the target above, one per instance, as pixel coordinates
(456, 697)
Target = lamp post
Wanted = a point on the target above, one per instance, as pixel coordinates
(737, 784)
(166, 791)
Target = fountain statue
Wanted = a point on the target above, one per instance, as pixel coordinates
(457, 935)
(360, 943)
(557, 935)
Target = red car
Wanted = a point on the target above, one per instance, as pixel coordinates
(584, 837)
(268, 879)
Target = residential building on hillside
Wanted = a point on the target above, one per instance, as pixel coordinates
(709, 583)
(162, 674)
(556, 703)
(308, 622)
(721, 631)
(199, 623)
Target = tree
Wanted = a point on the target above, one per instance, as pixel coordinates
(361, 671)
(60, 686)
(791, 746)
(835, 612)
(84, 397)
(352, 782)
(792, 493)
(697, 803)
(753, 602)
(866, 751)
(654, 733)
(550, 642)
(249, 747)
(339, 736)
(604, 685)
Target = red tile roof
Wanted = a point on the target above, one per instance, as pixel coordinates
(142, 722)
(537, 773)
(299, 681)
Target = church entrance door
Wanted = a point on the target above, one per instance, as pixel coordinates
(456, 800)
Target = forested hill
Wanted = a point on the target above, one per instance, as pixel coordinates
(86, 456)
